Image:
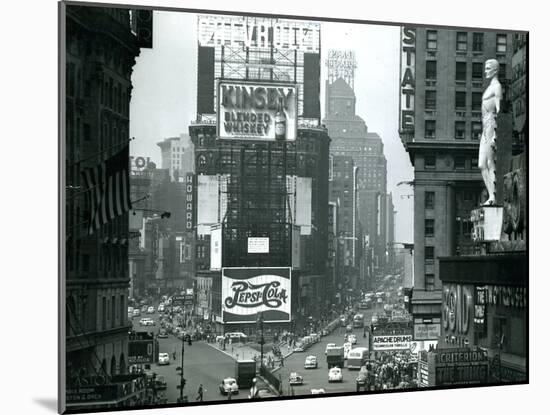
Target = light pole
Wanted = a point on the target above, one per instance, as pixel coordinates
(182, 398)
(262, 341)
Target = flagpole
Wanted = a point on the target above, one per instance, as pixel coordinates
(100, 152)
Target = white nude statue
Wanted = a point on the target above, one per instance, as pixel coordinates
(490, 107)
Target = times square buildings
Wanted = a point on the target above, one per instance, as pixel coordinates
(248, 199)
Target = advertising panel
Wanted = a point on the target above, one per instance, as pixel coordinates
(408, 75)
(216, 247)
(249, 291)
(207, 201)
(341, 64)
(141, 351)
(427, 331)
(258, 32)
(460, 366)
(258, 245)
(257, 111)
(386, 343)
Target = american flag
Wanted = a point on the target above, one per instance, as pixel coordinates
(108, 186)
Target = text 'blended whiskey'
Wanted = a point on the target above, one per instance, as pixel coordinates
(280, 121)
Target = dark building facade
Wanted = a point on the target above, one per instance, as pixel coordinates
(350, 137)
(100, 53)
(440, 125)
(253, 187)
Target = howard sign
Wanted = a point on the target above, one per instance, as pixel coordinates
(249, 291)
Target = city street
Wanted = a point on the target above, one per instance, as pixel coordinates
(318, 378)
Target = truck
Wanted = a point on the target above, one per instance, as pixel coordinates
(245, 372)
(335, 357)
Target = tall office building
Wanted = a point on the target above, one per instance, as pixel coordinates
(350, 137)
(177, 155)
(442, 82)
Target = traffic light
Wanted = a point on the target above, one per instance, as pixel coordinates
(144, 28)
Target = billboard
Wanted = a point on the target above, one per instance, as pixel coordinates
(257, 111)
(207, 201)
(216, 247)
(258, 32)
(141, 351)
(258, 245)
(399, 342)
(246, 292)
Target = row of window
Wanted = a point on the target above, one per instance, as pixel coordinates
(430, 102)
(460, 163)
(460, 130)
(478, 41)
(461, 69)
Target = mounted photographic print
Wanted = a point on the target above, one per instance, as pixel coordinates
(266, 207)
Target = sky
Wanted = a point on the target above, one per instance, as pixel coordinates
(164, 92)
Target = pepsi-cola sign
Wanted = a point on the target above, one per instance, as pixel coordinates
(249, 291)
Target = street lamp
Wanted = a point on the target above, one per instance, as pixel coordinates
(262, 340)
(182, 398)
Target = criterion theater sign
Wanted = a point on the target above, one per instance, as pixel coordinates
(256, 111)
(249, 291)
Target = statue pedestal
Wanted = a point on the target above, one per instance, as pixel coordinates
(487, 221)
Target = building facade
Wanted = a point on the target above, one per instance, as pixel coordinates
(350, 137)
(101, 49)
(442, 82)
(177, 155)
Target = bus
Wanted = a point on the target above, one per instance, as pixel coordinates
(358, 357)
(358, 321)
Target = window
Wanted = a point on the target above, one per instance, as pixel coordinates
(122, 310)
(460, 130)
(430, 100)
(431, 39)
(477, 71)
(429, 255)
(429, 162)
(429, 129)
(477, 45)
(430, 282)
(476, 101)
(431, 69)
(429, 227)
(104, 313)
(501, 43)
(461, 71)
(460, 162)
(113, 311)
(502, 71)
(86, 132)
(460, 100)
(474, 163)
(476, 130)
(429, 200)
(461, 41)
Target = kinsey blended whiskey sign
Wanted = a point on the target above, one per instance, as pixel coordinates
(253, 111)
(249, 291)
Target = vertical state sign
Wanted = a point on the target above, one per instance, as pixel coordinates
(254, 111)
(249, 291)
(408, 76)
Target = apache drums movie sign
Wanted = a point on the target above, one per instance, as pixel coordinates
(253, 111)
(249, 291)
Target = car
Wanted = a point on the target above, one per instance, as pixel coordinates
(335, 375)
(352, 339)
(229, 385)
(349, 328)
(311, 362)
(160, 308)
(150, 310)
(144, 309)
(320, 391)
(163, 334)
(236, 336)
(299, 347)
(160, 382)
(143, 322)
(295, 379)
(164, 359)
(329, 346)
(136, 313)
(343, 319)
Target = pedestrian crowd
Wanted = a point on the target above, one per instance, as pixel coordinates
(391, 370)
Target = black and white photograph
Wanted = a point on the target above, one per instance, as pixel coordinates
(266, 207)
(274, 207)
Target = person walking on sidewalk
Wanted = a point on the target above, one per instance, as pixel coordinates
(200, 393)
